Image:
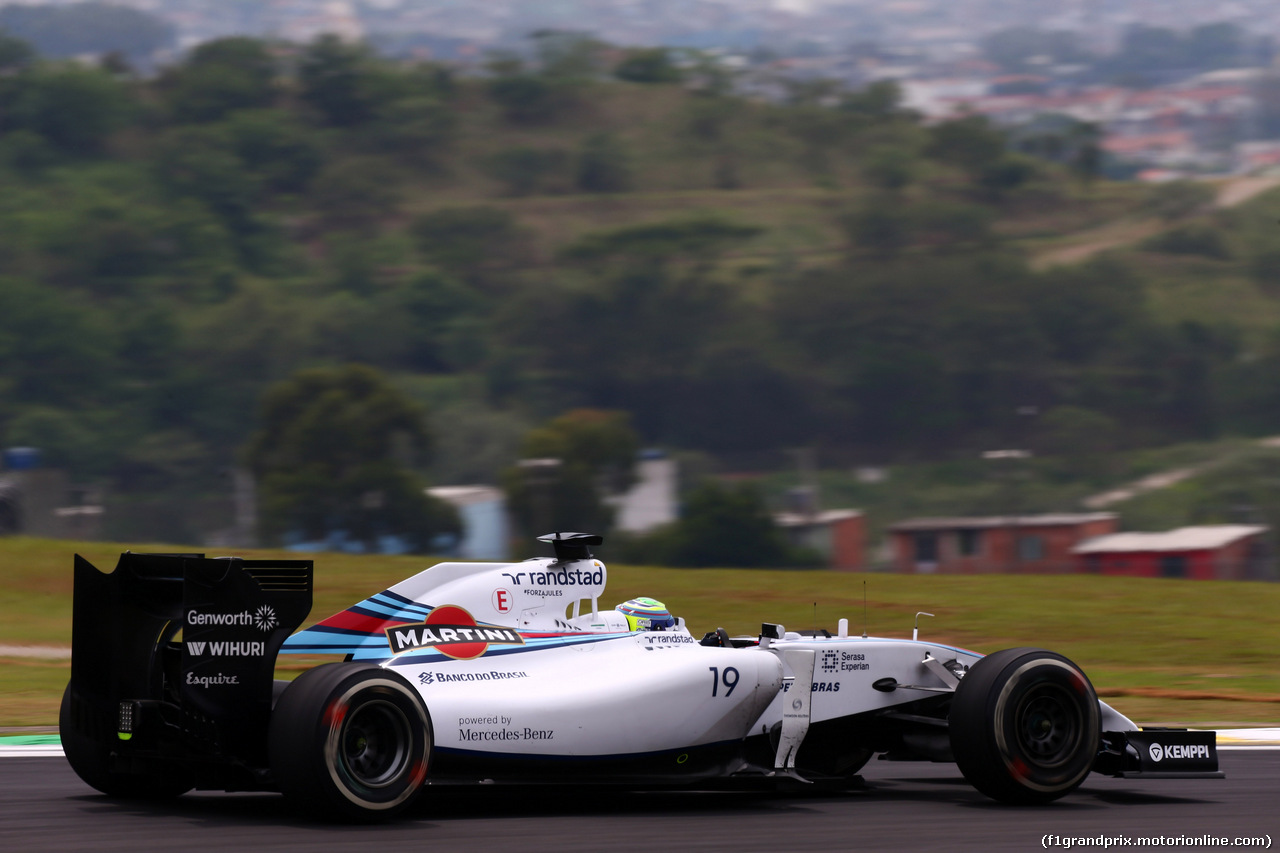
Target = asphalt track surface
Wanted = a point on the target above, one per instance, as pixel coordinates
(902, 807)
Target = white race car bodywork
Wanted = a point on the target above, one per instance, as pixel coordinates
(580, 684)
(472, 673)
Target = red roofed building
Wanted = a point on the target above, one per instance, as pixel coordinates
(1175, 140)
(1209, 552)
(1021, 544)
(838, 534)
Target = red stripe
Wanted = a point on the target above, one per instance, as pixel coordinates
(351, 621)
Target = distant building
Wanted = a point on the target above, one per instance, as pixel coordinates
(42, 502)
(1022, 544)
(653, 500)
(838, 534)
(1209, 552)
(486, 531)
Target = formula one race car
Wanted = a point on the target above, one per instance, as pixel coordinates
(513, 673)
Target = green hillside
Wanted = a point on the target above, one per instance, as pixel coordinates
(740, 276)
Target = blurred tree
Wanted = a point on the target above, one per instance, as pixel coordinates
(880, 100)
(345, 83)
(220, 76)
(1061, 139)
(601, 442)
(567, 56)
(1192, 406)
(526, 99)
(572, 463)
(529, 171)
(925, 344)
(472, 242)
(952, 226)
(647, 65)
(79, 440)
(1252, 396)
(28, 153)
(890, 168)
(55, 350)
(707, 118)
(1081, 439)
(480, 443)
(703, 237)
(1086, 162)
(737, 398)
(334, 450)
(356, 194)
(821, 130)
(76, 109)
(643, 315)
(417, 130)
(631, 340)
(278, 150)
(882, 228)
(445, 322)
(1086, 311)
(117, 64)
(1005, 173)
(812, 92)
(603, 165)
(721, 525)
(15, 54)
(1190, 239)
(198, 162)
(971, 143)
(1265, 268)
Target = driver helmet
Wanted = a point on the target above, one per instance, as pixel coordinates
(646, 614)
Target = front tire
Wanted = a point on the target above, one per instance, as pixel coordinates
(1024, 726)
(350, 741)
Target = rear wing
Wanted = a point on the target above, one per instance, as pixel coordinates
(209, 691)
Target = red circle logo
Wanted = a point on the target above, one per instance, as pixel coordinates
(502, 600)
(453, 615)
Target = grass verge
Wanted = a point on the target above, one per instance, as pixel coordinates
(1159, 650)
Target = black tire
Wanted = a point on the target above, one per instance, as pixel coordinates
(350, 742)
(87, 744)
(1024, 726)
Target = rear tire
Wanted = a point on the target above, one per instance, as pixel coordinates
(350, 741)
(1024, 726)
(87, 744)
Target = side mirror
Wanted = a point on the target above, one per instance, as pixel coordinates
(772, 631)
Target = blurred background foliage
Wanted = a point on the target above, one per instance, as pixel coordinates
(586, 228)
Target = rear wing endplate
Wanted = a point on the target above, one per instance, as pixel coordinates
(233, 615)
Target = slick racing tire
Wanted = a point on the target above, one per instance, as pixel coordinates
(87, 742)
(350, 742)
(1024, 726)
